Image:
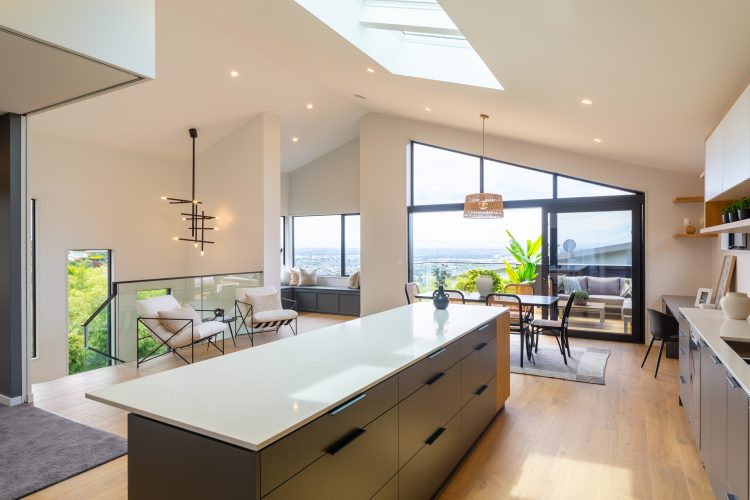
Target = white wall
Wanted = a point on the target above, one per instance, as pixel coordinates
(91, 197)
(327, 185)
(285, 182)
(672, 266)
(119, 33)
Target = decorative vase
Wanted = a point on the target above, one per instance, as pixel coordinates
(579, 302)
(743, 213)
(736, 305)
(440, 299)
(690, 229)
(485, 284)
(725, 217)
(733, 216)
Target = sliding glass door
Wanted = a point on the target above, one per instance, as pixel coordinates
(595, 249)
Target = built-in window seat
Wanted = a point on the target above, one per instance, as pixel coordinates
(324, 299)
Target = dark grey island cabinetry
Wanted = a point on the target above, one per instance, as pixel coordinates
(400, 437)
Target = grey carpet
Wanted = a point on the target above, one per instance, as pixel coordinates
(587, 364)
(39, 449)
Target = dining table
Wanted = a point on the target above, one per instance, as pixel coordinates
(546, 302)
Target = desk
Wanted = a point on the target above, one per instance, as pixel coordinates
(671, 305)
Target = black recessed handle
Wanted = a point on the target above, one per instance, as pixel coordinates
(731, 496)
(344, 441)
(435, 378)
(437, 353)
(347, 404)
(479, 391)
(733, 381)
(483, 327)
(434, 436)
(715, 359)
(481, 346)
(682, 352)
(682, 379)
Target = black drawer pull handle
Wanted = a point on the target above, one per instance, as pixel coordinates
(732, 381)
(731, 497)
(483, 327)
(480, 346)
(682, 352)
(682, 379)
(479, 391)
(437, 353)
(434, 436)
(715, 359)
(344, 441)
(435, 378)
(347, 404)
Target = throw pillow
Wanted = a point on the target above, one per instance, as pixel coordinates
(627, 288)
(264, 302)
(176, 320)
(286, 275)
(571, 284)
(561, 283)
(604, 286)
(294, 276)
(353, 281)
(308, 278)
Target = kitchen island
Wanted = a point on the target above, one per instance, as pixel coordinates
(383, 406)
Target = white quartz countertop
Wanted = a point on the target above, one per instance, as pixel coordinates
(713, 327)
(253, 397)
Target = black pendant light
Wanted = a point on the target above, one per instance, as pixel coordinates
(196, 219)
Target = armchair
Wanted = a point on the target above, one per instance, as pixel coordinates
(261, 308)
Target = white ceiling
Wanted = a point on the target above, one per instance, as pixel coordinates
(660, 73)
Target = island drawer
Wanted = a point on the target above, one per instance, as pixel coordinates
(355, 467)
(389, 491)
(423, 371)
(481, 335)
(426, 410)
(478, 368)
(478, 413)
(294, 452)
(423, 475)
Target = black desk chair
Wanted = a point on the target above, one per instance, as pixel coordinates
(663, 327)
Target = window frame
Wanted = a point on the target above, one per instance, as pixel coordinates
(342, 239)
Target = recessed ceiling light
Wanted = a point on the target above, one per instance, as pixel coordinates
(360, 96)
(234, 74)
(310, 106)
(596, 139)
(370, 70)
(295, 139)
(587, 102)
(428, 109)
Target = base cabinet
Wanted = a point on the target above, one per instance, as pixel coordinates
(738, 444)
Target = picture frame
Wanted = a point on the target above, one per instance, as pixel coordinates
(704, 296)
(725, 277)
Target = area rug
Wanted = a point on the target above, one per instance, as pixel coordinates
(586, 364)
(39, 449)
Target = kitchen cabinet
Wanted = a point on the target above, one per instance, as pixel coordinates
(738, 446)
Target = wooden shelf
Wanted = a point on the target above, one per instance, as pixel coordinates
(741, 226)
(688, 199)
(694, 235)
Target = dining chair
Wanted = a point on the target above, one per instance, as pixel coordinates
(519, 318)
(411, 289)
(454, 296)
(558, 328)
(663, 327)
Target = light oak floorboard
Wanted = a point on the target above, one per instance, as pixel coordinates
(555, 439)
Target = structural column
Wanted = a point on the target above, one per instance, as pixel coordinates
(12, 291)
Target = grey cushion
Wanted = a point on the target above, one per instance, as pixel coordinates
(609, 300)
(603, 286)
(584, 282)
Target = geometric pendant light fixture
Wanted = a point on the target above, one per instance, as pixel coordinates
(197, 217)
(483, 205)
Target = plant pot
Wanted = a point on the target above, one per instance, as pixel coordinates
(485, 284)
(725, 217)
(743, 213)
(440, 299)
(733, 216)
(735, 305)
(580, 302)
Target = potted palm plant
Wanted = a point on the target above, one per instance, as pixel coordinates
(581, 298)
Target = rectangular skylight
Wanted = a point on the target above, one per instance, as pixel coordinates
(408, 37)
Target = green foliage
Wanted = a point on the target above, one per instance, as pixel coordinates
(581, 295)
(527, 260)
(468, 281)
(441, 274)
(743, 203)
(147, 344)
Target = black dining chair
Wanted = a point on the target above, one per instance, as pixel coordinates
(453, 296)
(558, 328)
(519, 318)
(664, 328)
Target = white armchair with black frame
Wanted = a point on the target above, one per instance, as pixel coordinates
(261, 308)
(174, 327)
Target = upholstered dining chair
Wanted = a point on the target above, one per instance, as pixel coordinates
(411, 289)
(558, 328)
(519, 318)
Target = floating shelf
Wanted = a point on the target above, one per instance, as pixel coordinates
(694, 235)
(688, 199)
(741, 226)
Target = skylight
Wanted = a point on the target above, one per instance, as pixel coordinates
(407, 37)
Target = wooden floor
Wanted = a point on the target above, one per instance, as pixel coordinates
(555, 439)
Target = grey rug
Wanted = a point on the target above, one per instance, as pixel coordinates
(39, 449)
(587, 364)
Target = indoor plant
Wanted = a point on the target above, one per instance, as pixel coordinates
(743, 208)
(581, 297)
(527, 260)
(441, 274)
(730, 212)
(480, 280)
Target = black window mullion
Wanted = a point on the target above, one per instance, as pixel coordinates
(343, 245)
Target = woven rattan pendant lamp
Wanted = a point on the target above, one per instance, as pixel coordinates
(483, 205)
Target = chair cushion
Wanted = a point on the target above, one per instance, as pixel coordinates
(269, 316)
(603, 286)
(308, 278)
(149, 308)
(609, 300)
(264, 302)
(546, 323)
(240, 294)
(294, 279)
(200, 331)
(176, 320)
